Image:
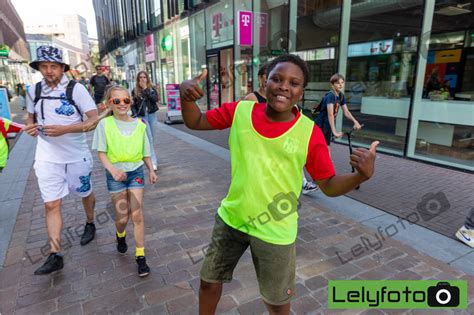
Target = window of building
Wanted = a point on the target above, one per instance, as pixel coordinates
(381, 58)
(317, 42)
(444, 113)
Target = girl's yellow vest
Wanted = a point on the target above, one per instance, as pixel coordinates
(122, 148)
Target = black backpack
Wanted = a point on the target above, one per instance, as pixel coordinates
(317, 109)
(68, 97)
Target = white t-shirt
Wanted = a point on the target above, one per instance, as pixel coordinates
(68, 148)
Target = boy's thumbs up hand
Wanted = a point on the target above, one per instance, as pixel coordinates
(190, 90)
(363, 160)
(201, 76)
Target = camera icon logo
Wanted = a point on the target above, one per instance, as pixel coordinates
(283, 205)
(443, 295)
(432, 204)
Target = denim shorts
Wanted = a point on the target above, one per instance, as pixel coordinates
(135, 180)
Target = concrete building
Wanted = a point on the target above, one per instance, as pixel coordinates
(68, 32)
(13, 68)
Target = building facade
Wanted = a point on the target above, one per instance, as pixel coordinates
(14, 48)
(408, 63)
(68, 32)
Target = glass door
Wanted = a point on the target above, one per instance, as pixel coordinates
(226, 66)
(213, 80)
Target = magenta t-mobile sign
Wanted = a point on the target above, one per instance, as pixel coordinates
(245, 28)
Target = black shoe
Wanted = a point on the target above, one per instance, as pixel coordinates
(143, 269)
(121, 245)
(89, 233)
(53, 263)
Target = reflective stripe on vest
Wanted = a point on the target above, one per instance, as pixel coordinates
(122, 148)
(266, 178)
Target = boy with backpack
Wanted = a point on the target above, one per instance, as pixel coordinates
(329, 107)
(269, 146)
(63, 162)
(6, 126)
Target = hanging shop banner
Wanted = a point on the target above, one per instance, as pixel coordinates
(4, 104)
(245, 28)
(261, 20)
(173, 100)
(149, 48)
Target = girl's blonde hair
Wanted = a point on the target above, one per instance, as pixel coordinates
(138, 88)
(91, 124)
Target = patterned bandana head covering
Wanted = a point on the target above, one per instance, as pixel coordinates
(48, 54)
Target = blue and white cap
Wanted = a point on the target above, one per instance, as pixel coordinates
(48, 54)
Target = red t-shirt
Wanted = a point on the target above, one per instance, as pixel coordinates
(13, 127)
(318, 162)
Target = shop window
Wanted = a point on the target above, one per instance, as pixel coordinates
(317, 42)
(444, 114)
(271, 33)
(381, 58)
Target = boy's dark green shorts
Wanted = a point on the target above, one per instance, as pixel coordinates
(274, 264)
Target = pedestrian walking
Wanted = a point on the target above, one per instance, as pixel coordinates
(259, 94)
(145, 106)
(466, 232)
(330, 105)
(97, 84)
(63, 163)
(269, 146)
(123, 148)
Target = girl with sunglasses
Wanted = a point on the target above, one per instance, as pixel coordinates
(123, 148)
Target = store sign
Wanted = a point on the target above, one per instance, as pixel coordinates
(173, 100)
(245, 28)
(149, 48)
(371, 48)
(4, 52)
(167, 43)
(261, 20)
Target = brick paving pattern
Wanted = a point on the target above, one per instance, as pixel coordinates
(398, 186)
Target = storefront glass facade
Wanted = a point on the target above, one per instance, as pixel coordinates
(408, 64)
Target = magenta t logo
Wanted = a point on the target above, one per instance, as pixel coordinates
(245, 28)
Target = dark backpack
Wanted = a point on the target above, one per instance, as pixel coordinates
(317, 109)
(68, 97)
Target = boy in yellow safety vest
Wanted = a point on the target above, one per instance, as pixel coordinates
(269, 146)
(6, 126)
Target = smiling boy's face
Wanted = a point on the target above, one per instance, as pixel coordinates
(285, 86)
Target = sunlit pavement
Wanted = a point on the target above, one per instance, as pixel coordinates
(179, 215)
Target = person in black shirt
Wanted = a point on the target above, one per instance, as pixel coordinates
(98, 82)
(259, 95)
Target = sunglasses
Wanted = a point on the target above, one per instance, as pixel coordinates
(117, 101)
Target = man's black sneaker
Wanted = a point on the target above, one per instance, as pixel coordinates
(143, 269)
(121, 245)
(53, 263)
(89, 233)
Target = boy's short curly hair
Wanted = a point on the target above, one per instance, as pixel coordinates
(294, 59)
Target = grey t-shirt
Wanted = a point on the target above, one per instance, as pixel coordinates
(99, 142)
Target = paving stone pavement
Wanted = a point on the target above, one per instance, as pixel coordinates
(179, 215)
(399, 185)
